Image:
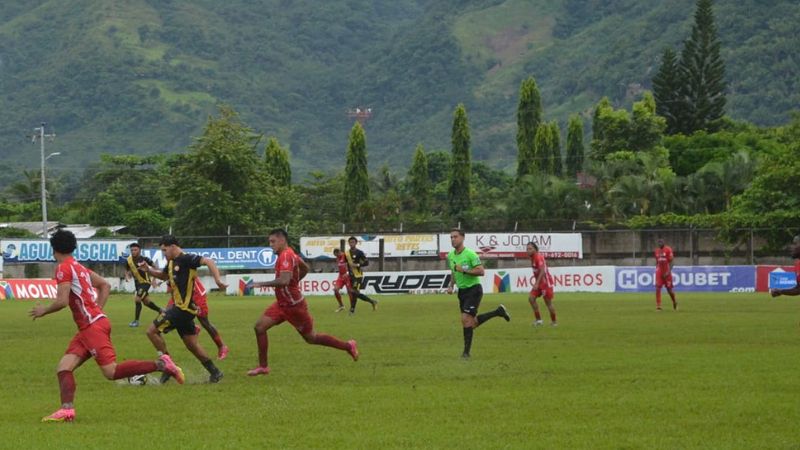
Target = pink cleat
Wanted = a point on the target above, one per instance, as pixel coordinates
(171, 369)
(352, 349)
(258, 371)
(223, 352)
(62, 415)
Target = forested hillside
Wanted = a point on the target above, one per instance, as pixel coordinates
(141, 76)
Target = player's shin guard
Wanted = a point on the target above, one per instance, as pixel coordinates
(153, 306)
(363, 296)
(138, 311)
(131, 368)
(468, 331)
(329, 341)
(263, 345)
(66, 384)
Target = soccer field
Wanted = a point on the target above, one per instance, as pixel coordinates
(720, 373)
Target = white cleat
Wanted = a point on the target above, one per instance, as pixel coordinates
(554, 324)
(537, 323)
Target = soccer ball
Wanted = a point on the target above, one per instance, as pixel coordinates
(138, 380)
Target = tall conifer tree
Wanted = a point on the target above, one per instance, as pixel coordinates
(356, 182)
(529, 116)
(575, 147)
(458, 194)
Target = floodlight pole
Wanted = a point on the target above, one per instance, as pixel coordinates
(41, 137)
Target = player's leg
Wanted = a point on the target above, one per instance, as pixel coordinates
(353, 299)
(476, 295)
(548, 301)
(222, 349)
(271, 317)
(192, 344)
(302, 321)
(149, 303)
(535, 306)
(670, 290)
(154, 334)
(138, 311)
(337, 286)
(358, 285)
(66, 384)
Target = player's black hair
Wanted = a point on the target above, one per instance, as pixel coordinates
(533, 244)
(63, 241)
(352, 238)
(279, 232)
(135, 244)
(336, 251)
(458, 230)
(169, 239)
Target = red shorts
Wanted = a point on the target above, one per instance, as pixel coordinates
(663, 281)
(343, 281)
(202, 305)
(546, 291)
(296, 315)
(94, 341)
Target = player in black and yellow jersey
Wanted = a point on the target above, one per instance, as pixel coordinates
(142, 281)
(356, 260)
(181, 272)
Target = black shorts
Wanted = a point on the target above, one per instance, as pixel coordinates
(358, 283)
(469, 299)
(142, 290)
(175, 318)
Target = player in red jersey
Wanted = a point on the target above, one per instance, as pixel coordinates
(796, 256)
(86, 293)
(200, 298)
(542, 285)
(290, 305)
(343, 280)
(664, 273)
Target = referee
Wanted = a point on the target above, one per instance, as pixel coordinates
(467, 272)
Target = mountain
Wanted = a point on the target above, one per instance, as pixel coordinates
(142, 76)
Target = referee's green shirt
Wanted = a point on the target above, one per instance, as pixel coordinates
(467, 259)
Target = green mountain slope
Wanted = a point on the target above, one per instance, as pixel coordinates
(141, 76)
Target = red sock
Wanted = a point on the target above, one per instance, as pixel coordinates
(330, 341)
(134, 367)
(658, 298)
(338, 297)
(538, 316)
(66, 383)
(263, 344)
(218, 339)
(553, 316)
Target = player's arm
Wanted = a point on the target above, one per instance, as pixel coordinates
(281, 281)
(61, 301)
(452, 282)
(303, 267)
(362, 260)
(212, 267)
(540, 277)
(103, 289)
(153, 271)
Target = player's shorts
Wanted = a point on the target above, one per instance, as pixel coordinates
(543, 291)
(175, 318)
(297, 315)
(142, 290)
(469, 299)
(663, 281)
(342, 281)
(95, 340)
(357, 283)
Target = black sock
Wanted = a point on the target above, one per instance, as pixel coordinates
(486, 316)
(468, 340)
(138, 310)
(353, 303)
(154, 307)
(210, 367)
(365, 298)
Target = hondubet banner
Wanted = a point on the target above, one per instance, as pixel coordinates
(21, 251)
(514, 245)
(225, 258)
(394, 245)
(689, 278)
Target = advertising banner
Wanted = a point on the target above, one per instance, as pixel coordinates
(513, 245)
(394, 245)
(226, 258)
(690, 278)
(782, 280)
(565, 279)
(21, 251)
(35, 288)
(763, 276)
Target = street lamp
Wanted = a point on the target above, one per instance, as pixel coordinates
(41, 137)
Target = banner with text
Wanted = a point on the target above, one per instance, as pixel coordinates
(764, 277)
(36, 288)
(21, 251)
(226, 258)
(514, 245)
(690, 278)
(394, 245)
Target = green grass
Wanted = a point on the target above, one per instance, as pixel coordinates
(720, 373)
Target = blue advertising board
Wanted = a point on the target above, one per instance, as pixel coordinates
(22, 251)
(225, 258)
(689, 278)
(782, 280)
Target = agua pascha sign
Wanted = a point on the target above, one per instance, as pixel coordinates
(514, 245)
(394, 245)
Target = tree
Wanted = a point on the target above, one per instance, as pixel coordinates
(276, 162)
(647, 128)
(356, 179)
(419, 181)
(702, 73)
(574, 145)
(458, 192)
(667, 86)
(555, 149)
(542, 149)
(529, 116)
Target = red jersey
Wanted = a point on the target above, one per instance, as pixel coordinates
(288, 295)
(539, 266)
(341, 263)
(663, 258)
(82, 295)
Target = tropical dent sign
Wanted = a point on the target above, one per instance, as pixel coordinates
(21, 251)
(225, 258)
(394, 245)
(514, 245)
(690, 278)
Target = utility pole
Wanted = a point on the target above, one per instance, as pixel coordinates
(39, 134)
